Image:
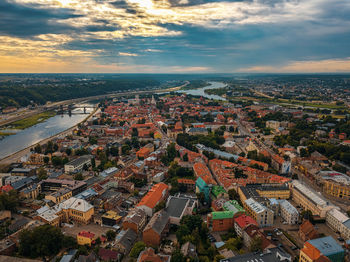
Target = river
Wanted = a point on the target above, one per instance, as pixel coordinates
(32, 135)
(201, 91)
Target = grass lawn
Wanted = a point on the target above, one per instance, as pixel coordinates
(33, 120)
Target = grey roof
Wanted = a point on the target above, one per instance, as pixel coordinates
(347, 223)
(176, 206)
(270, 255)
(158, 222)
(126, 238)
(23, 182)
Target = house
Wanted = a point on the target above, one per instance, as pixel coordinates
(125, 240)
(135, 220)
(158, 193)
(307, 231)
(177, 207)
(107, 254)
(253, 232)
(314, 249)
(86, 238)
(156, 229)
(148, 255)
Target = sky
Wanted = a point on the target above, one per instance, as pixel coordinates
(174, 36)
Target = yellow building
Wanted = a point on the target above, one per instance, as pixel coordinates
(60, 196)
(264, 190)
(261, 214)
(72, 210)
(336, 189)
(278, 193)
(86, 238)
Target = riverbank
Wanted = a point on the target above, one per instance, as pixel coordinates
(31, 121)
(15, 157)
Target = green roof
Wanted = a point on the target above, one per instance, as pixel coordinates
(222, 214)
(217, 190)
(233, 206)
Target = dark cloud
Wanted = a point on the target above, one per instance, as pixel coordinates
(27, 21)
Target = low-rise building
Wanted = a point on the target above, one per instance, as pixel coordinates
(148, 255)
(125, 240)
(158, 193)
(177, 207)
(77, 164)
(220, 220)
(86, 238)
(308, 199)
(242, 222)
(135, 220)
(156, 229)
(314, 249)
(307, 231)
(110, 218)
(269, 255)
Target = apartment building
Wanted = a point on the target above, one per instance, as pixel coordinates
(261, 214)
(289, 213)
(309, 199)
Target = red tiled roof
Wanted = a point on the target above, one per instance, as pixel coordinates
(243, 221)
(86, 234)
(153, 196)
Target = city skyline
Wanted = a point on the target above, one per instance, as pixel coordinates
(174, 36)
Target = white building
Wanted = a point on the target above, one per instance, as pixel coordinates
(308, 199)
(289, 213)
(77, 165)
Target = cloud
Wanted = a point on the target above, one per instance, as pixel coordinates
(127, 54)
(322, 66)
(177, 34)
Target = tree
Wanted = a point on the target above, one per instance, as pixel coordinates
(46, 160)
(137, 248)
(79, 177)
(159, 206)
(256, 244)
(110, 234)
(177, 256)
(42, 173)
(37, 149)
(9, 201)
(185, 157)
(68, 151)
(43, 241)
(56, 161)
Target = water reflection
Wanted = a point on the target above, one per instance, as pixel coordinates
(32, 135)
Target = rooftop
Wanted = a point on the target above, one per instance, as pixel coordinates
(326, 245)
